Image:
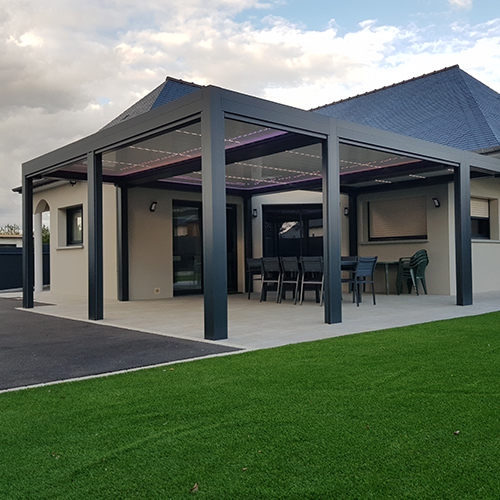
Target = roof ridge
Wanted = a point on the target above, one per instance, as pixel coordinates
(184, 82)
(479, 105)
(455, 66)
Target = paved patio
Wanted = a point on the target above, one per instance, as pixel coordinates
(256, 325)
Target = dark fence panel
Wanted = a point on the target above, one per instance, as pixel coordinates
(11, 267)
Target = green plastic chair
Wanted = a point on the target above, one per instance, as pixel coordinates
(410, 270)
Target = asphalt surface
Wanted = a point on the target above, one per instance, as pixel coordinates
(36, 348)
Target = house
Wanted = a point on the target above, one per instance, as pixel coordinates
(171, 196)
(451, 108)
(11, 240)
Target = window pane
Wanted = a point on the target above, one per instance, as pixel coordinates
(74, 226)
(480, 228)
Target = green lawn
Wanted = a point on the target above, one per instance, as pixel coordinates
(364, 416)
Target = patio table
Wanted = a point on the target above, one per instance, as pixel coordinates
(387, 264)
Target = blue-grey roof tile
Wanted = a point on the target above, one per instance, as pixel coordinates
(448, 107)
(170, 90)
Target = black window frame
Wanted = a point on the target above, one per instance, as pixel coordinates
(480, 226)
(71, 214)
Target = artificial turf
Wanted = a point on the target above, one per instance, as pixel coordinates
(406, 413)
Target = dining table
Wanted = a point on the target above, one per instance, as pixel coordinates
(386, 264)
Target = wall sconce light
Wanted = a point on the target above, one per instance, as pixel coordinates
(436, 202)
(73, 183)
(346, 211)
(152, 207)
(254, 213)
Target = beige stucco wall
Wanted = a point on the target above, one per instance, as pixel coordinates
(69, 264)
(151, 252)
(151, 242)
(437, 243)
(486, 253)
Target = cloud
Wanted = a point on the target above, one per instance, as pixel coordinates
(68, 67)
(462, 4)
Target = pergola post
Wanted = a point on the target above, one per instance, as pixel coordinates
(213, 169)
(28, 245)
(95, 252)
(331, 227)
(463, 249)
(122, 237)
(353, 223)
(248, 237)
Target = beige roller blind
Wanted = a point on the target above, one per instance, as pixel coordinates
(398, 219)
(479, 207)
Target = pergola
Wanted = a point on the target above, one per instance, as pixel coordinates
(219, 142)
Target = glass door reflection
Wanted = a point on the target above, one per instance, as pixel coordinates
(188, 271)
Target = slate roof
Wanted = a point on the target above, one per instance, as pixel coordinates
(447, 107)
(170, 90)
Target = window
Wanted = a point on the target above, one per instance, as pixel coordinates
(74, 226)
(293, 230)
(480, 218)
(390, 220)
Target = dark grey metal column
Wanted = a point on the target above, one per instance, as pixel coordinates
(28, 244)
(122, 237)
(94, 216)
(213, 167)
(463, 250)
(353, 224)
(248, 237)
(331, 227)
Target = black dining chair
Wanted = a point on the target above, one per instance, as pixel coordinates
(254, 272)
(290, 276)
(271, 275)
(363, 275)
(348, 265)
(312, 275)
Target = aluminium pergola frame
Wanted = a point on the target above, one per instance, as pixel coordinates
(212, 105)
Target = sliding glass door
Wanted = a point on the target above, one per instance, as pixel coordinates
(188, 247)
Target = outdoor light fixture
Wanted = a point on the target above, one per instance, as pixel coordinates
(436, 202)
(254, 212)
(73, 183)
(346, 211)
(152, 208)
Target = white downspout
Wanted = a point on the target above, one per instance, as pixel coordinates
(37, 226)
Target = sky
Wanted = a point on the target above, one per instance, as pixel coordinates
(68, 67)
